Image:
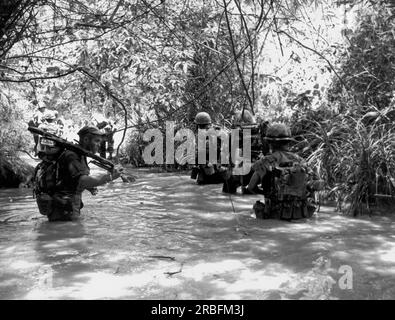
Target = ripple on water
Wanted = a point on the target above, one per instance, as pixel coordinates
(131, 234)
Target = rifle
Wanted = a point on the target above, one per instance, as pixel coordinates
(258, 144)
(258, 147)
(96, 160)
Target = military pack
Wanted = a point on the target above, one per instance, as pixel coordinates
(286, 194)
(45, 180)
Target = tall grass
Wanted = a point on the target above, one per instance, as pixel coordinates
(355, 154)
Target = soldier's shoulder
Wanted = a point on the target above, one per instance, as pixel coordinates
(292, 156)
(298, 158)
(273, 157)
(268, 159)
(69, 155)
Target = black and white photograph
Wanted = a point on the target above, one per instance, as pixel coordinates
(201, 156)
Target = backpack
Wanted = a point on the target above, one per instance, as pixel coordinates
(45, 181)
(286, 197)
(290, 180)
(46, 177)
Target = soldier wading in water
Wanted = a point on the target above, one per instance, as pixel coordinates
(63, 175)
(208, 173)
(288, 184)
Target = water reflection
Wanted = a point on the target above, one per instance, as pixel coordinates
(60, 242)
(59, 249)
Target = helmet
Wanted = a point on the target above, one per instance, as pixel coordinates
(47, 148)
(278, 132)
(203, 118)
(90, 130)
(243, 117)
(50, 115)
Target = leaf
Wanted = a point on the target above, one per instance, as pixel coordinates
(185, 68)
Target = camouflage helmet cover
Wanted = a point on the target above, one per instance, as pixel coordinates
(278, 132)
(50, 115)
(203, 118)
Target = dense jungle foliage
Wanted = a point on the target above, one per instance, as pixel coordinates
(326, 67)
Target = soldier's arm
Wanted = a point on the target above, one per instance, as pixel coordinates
(80, 174)
(87, 182)
(254, 182)
(260, 168)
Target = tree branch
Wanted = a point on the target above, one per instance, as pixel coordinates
(252, 80)
(234, 54)
(202, 91)
(115, 11)
(174, 33)
(317, 53)
(39, 78)
(113, 96)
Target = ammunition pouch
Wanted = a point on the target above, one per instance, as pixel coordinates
(44, 203)
(59, 207)
(293, 208)
(264, 210)
(63, 202)
(288, 208)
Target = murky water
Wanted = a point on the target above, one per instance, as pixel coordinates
(163, 237)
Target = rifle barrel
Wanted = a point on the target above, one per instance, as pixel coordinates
(101, 165)
(73, 147)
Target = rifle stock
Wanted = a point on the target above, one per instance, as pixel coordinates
(97, 160)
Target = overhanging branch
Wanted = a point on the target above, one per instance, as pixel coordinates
(317, 53)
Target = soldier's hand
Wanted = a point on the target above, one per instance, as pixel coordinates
(93, 191)
(117, 171)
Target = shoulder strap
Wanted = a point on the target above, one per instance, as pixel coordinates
(286, 178)
(57, 177)
(34, 179)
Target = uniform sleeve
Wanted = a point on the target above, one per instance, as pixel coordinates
(261, 166)
(75, 166)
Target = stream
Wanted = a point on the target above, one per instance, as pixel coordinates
(164, 237)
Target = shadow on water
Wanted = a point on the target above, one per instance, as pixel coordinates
(61, 246)
(164, 237)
